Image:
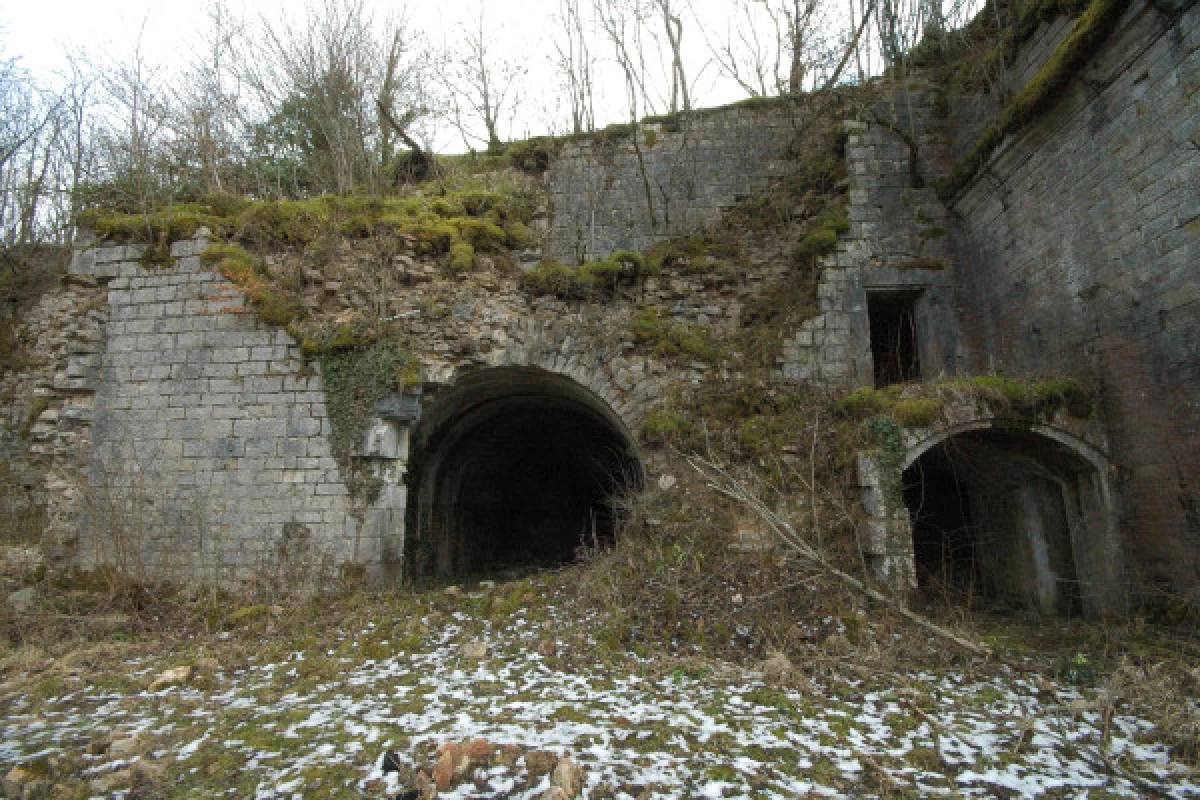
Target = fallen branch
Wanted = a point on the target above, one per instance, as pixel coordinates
(724, 483)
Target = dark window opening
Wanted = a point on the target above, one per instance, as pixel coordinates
(893, 336)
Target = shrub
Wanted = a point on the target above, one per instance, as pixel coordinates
(601, 274)
(482, 235)
(917, 412)
(462, 258)
(864, 402)
(274, 308)
(816, 244)
(665, 426)
(517, 234)
(550, 277)
(668, 338)
(532, 155)
(434, 237)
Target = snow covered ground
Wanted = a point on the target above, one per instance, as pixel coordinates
(314, 718)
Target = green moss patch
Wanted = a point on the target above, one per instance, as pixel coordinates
(666, 337)
(595, 278)
(272, 304)
(922, 405)
(434, 217)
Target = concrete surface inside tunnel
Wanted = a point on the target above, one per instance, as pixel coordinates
(1011, 519)
(517, 468)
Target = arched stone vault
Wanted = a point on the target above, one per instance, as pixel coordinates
(506, 465)
(1043, 508)
(512, 467)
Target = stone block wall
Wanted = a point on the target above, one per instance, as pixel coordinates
(1080, 245)
(631, 191)
(899, 240)
(210, 461)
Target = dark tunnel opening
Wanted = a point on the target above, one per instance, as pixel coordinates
(1002, 520)
(519, 469)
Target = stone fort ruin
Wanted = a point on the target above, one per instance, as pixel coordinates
(1072, 248)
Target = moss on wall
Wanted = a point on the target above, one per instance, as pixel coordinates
(1041, 92)
(436, 217)
(599, 277)
(667, 338)
(922, 405)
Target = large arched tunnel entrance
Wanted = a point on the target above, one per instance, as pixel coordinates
(1012, 518)
(515, 468)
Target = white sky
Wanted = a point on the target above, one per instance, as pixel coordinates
(41, 32)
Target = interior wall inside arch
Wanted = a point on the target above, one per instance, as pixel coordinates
(1009, 519)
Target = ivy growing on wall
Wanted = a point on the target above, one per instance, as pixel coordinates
(889, 443)
(360, 365)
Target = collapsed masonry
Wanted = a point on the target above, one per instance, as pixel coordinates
(200, 439)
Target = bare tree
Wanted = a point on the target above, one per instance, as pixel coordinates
(25, 120)
(208, 115)
(483, 87)
(77, 142)
(770, 46)
(403, 100)
(673, 27)
(576, 65)
(622, 23)
(336, 91)
(132, 108)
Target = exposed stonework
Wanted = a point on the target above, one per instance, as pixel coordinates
(629, 192)
(49, 415)
(211, 459)
(1072, 253)
(1088, 501)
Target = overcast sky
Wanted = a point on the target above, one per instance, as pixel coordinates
(40, 33)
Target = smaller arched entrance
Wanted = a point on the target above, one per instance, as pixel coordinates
(1012, 517)
(515, 467)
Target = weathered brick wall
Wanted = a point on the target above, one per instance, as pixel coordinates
(1081, 255)
(628, 193)
(210, 458)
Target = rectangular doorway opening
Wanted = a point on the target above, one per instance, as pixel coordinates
(893, 323)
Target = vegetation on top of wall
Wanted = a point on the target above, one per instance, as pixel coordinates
(993, 38)
(1041, 92)
(667, 123)
(487, 220)
(922, 405)
(533, 155)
